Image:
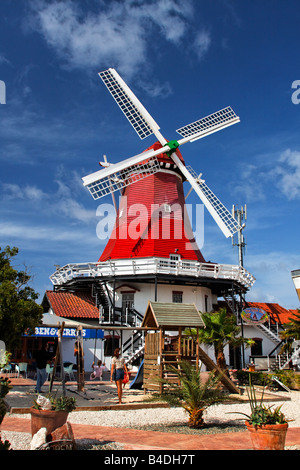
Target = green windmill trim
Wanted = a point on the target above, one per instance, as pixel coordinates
(173, 145)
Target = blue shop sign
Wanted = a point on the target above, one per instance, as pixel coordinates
(42, 331)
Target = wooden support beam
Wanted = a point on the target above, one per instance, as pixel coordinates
(212, 366)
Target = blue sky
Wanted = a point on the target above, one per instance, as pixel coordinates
(184, 60)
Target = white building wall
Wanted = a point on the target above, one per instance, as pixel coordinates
(251, 332)
(145, 292)
(88, 350)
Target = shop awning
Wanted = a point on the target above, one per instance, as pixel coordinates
(50, 323)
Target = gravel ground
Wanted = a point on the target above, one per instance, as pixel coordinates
(218, 418)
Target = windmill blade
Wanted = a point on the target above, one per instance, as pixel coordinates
(118, 176)
(218, 211)
(137, 115)
(208, 125)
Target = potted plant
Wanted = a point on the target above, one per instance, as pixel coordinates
(267, 425)
(50, 412)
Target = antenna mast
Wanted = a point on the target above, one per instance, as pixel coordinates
(240, 215)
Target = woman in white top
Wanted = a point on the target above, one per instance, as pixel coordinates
(118, 370)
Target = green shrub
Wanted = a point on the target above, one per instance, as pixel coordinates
(288, 377)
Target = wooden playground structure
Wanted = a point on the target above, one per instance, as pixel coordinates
(167, 343)
(163, 350)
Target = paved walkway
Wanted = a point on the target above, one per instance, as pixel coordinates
(132, 439)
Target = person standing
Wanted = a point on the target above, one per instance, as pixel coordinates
(42, 357)
(118, 371)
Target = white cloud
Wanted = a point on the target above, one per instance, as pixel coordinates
(4, 60)
(14, 191)
(281, 172)
(38, 237)
(202, 43)
(59, 203)
(288, 173)
(114, 33)
(272, 271)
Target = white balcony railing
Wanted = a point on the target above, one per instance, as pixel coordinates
(142, 266)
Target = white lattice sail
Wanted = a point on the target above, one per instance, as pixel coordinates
(108, 183)
(209, 124)
(137, 115)
(226, 217)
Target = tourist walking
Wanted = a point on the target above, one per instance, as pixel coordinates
(118, 371)
(42, 356)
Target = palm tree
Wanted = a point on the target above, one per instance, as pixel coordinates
(221, 329)
(190, 392)
(291, 332)
(292, 329)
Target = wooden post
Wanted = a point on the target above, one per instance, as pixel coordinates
(197, 349)
(62, 371)
(161, 347)
(80, 360)
(179, 343)
(58, 356)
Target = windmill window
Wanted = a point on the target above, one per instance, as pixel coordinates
(173, 260)
(177, 297)
(167, 208)
(256, 349)
(206, 303)
(111, 343)
(127, 300)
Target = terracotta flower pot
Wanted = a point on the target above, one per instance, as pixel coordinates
(49, 419)
(268, 437)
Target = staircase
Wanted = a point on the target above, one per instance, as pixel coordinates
(272, 335)
(134, 347)
(281, 362)
(293, 357)
(112, 315)
(103, 301)
(232, 303)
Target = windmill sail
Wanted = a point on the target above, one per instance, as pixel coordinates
(137, 115)
(117, 177)
(218, 211)
(136, 168)
(207, 125)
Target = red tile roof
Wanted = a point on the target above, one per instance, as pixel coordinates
(294, 311)
(72, 304)
(277, 313)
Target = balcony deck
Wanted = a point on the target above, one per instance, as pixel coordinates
(153, 266)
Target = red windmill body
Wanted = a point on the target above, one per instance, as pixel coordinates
(152, 220)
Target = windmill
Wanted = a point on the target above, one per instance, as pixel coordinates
(161, 260)
(134, 169)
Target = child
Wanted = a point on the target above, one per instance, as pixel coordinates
(98, 370)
